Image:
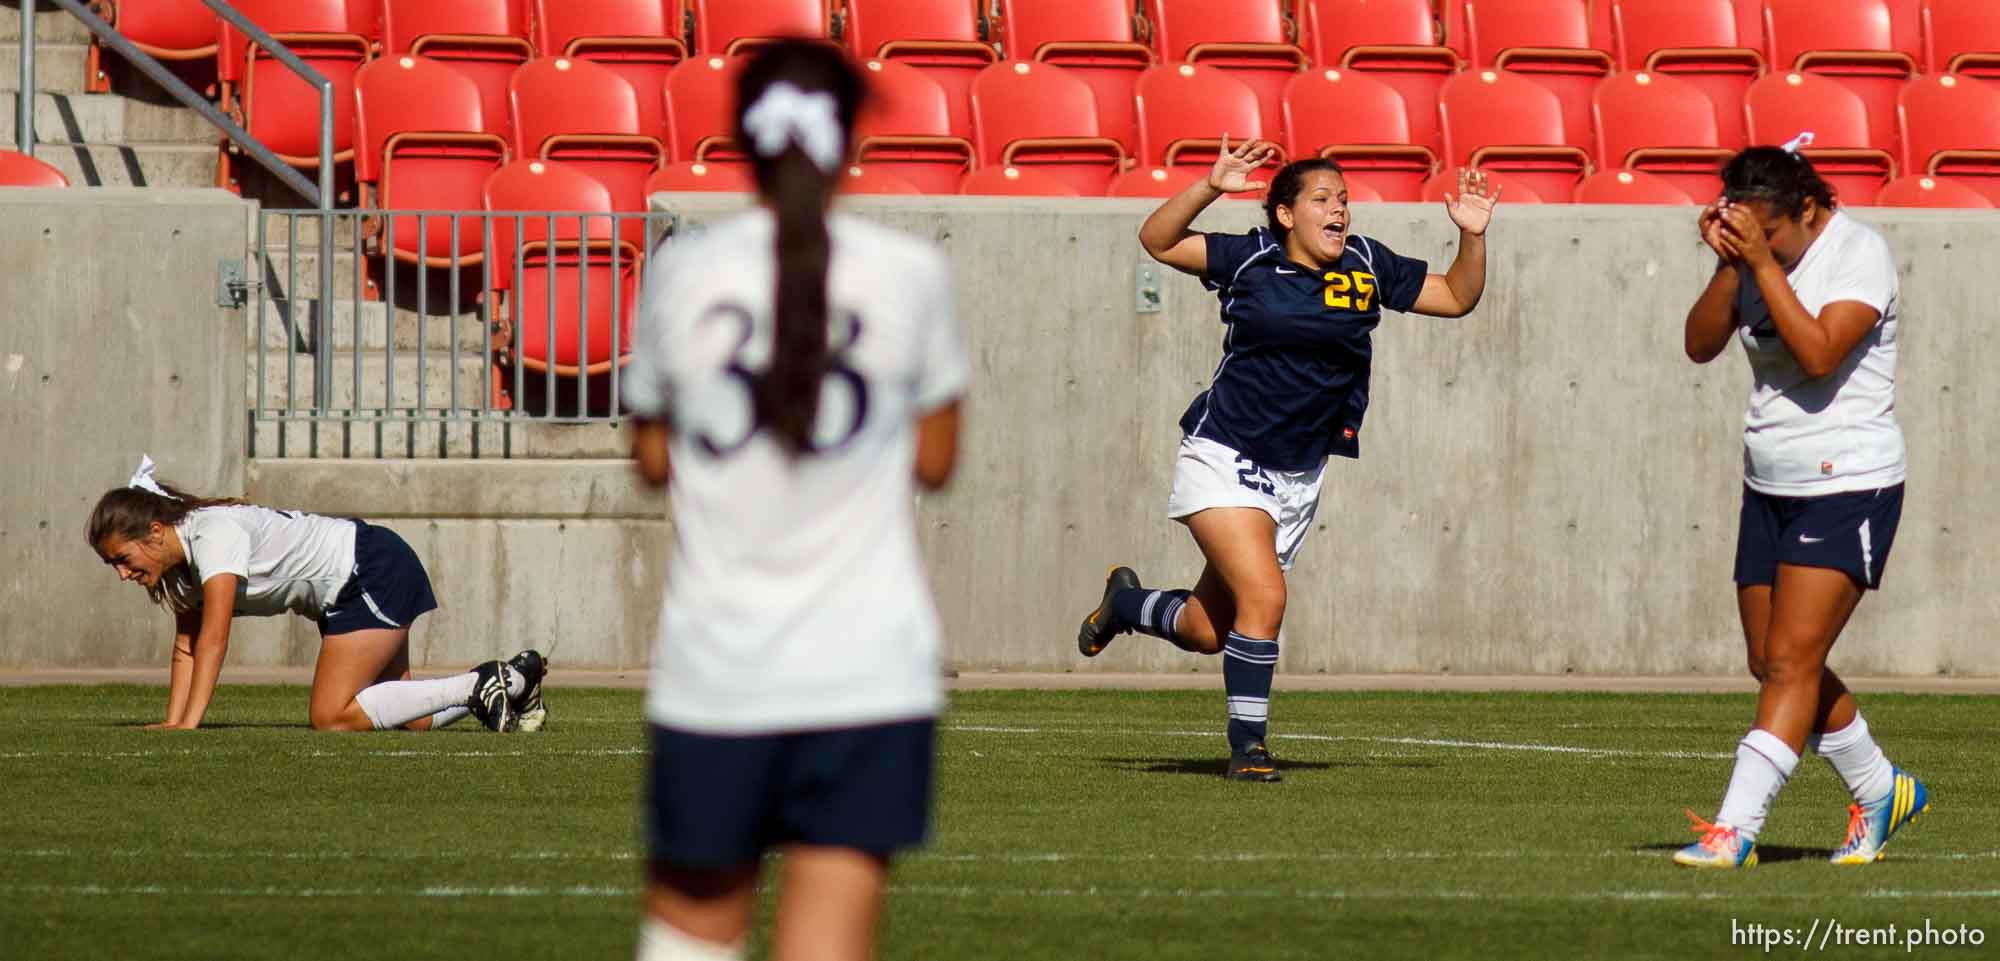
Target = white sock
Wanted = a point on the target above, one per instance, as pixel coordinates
(396, 703)
(1860, 763)
(450, 716)
(1763, 764)
(660, 941)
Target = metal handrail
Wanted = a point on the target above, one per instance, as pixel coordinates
(24, 119)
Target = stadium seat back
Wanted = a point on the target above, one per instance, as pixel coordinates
(170, 29)
(700, 105)
(906, 129)
(21, 170)
(422, 143)
(484, 39)
(1547, 41)
(1333, 27)
(1039, 118)
(560, 24)
(1784, 104)
(733, 26)
(1093, 39)
(1504, 123)
(941, 39)
(1928, 191)
(1951, 128)
(1188, 104)
(283, 19)
(1660, 125)
(1701, 42)
(541, 186)
(1010, 181)
(1513, 188)
(1363, 124)
(860, 179)
(689, 176)
(587, 116)
(576, 338)
(1962, 36)
(1630, 187)
(1251, 39)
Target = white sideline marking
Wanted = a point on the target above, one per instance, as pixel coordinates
(1411, 741)
(1002, 857)
(974, 891)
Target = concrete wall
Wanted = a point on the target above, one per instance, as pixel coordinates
(110, 345)
(1546, 486)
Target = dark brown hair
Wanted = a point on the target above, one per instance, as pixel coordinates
(128, 513)
(787, 394)
(1778, 177)
(1286, 185)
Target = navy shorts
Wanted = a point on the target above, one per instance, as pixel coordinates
(1846, 532)
(720, 802)
(387, 590)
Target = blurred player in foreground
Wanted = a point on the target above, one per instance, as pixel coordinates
(1812, 295)
(796, 378)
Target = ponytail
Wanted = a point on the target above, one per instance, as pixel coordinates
(129, 513)
(796, 153)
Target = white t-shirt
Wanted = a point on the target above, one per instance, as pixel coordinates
(797, 598)
(1805, 436)
(283, 560)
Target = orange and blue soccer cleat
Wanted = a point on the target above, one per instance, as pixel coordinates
(1868, 831)
(1720, 847)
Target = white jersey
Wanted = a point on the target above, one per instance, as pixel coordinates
(1805, 436)
(796, 598)
(283, 560)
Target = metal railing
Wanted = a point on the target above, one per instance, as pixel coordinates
(452, 330)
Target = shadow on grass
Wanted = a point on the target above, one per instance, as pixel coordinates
(1771, 854)
(131, 725)
(1207, 766)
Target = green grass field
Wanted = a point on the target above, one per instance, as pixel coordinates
(1086, 825)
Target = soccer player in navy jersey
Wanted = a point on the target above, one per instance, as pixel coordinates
(1300, 297)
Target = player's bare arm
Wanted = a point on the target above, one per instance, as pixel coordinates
(1165, 234)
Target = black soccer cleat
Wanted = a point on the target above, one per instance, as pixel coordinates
(489, 701)
(1254, 765)
(529, 711)
(1102, 625)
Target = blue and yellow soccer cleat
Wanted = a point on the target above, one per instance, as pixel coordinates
(1720, 847)
(1101, 625)
(1868, 831)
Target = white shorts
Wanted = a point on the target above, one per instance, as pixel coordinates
(1208, 474)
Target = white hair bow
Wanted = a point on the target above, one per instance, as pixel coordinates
(786, 115)
(1804, 139)
(143, 478)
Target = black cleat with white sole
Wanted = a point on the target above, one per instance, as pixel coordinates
(529, 711)
(489, 701)
(1102, 625)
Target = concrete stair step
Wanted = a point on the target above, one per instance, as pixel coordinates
(62, 118)
(52, 24)
(132, 165)
(376, 331)
(58, 66)
(434, 371)
(508, 438)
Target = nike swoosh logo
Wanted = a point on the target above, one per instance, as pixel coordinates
(1810, 540)
(1284, 271)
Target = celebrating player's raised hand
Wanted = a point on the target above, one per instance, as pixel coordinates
(1233, 169)
(1472, 207)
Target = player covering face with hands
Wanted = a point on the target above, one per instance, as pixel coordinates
(1300, 297)
(1812, 295)
(209, 560)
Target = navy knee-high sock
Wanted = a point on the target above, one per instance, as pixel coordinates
(1149, 612)
(1247, 666)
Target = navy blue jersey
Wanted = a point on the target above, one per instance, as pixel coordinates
(1293, 382)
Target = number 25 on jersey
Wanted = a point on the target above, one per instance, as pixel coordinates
(1354, 291)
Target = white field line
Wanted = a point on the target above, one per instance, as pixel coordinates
(1000, 857)
(981, 892)
(1370, 739)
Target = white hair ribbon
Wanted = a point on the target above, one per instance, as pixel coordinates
(1804, 139)
(786, 115)
(143, 478)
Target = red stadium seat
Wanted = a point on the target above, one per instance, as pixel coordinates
(565, 288)
(636, 39)
(702, 177)
(587, 117)
(1504, 123)
(1092, 39)
(166, 29)
(735, 26)
(1361, 122)
(700, 109)
(1852, 41)
(1037, 116)
(21, 170)
(1251, 39)
(422, 143)
(1393, 40)
(906, 129)
(1782, 105)
(1360, 193)
(1185, 110)
(862, 180)
(1662, 126)
(1152, 182)
(274, 103)
(999, 181)
(484, 39)
(1698, 42)
(1951, 128)
(1962, 36)
(1513, 190)
(941, 39)
(1927, 191)
(1629, 187)
(1547, 41)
